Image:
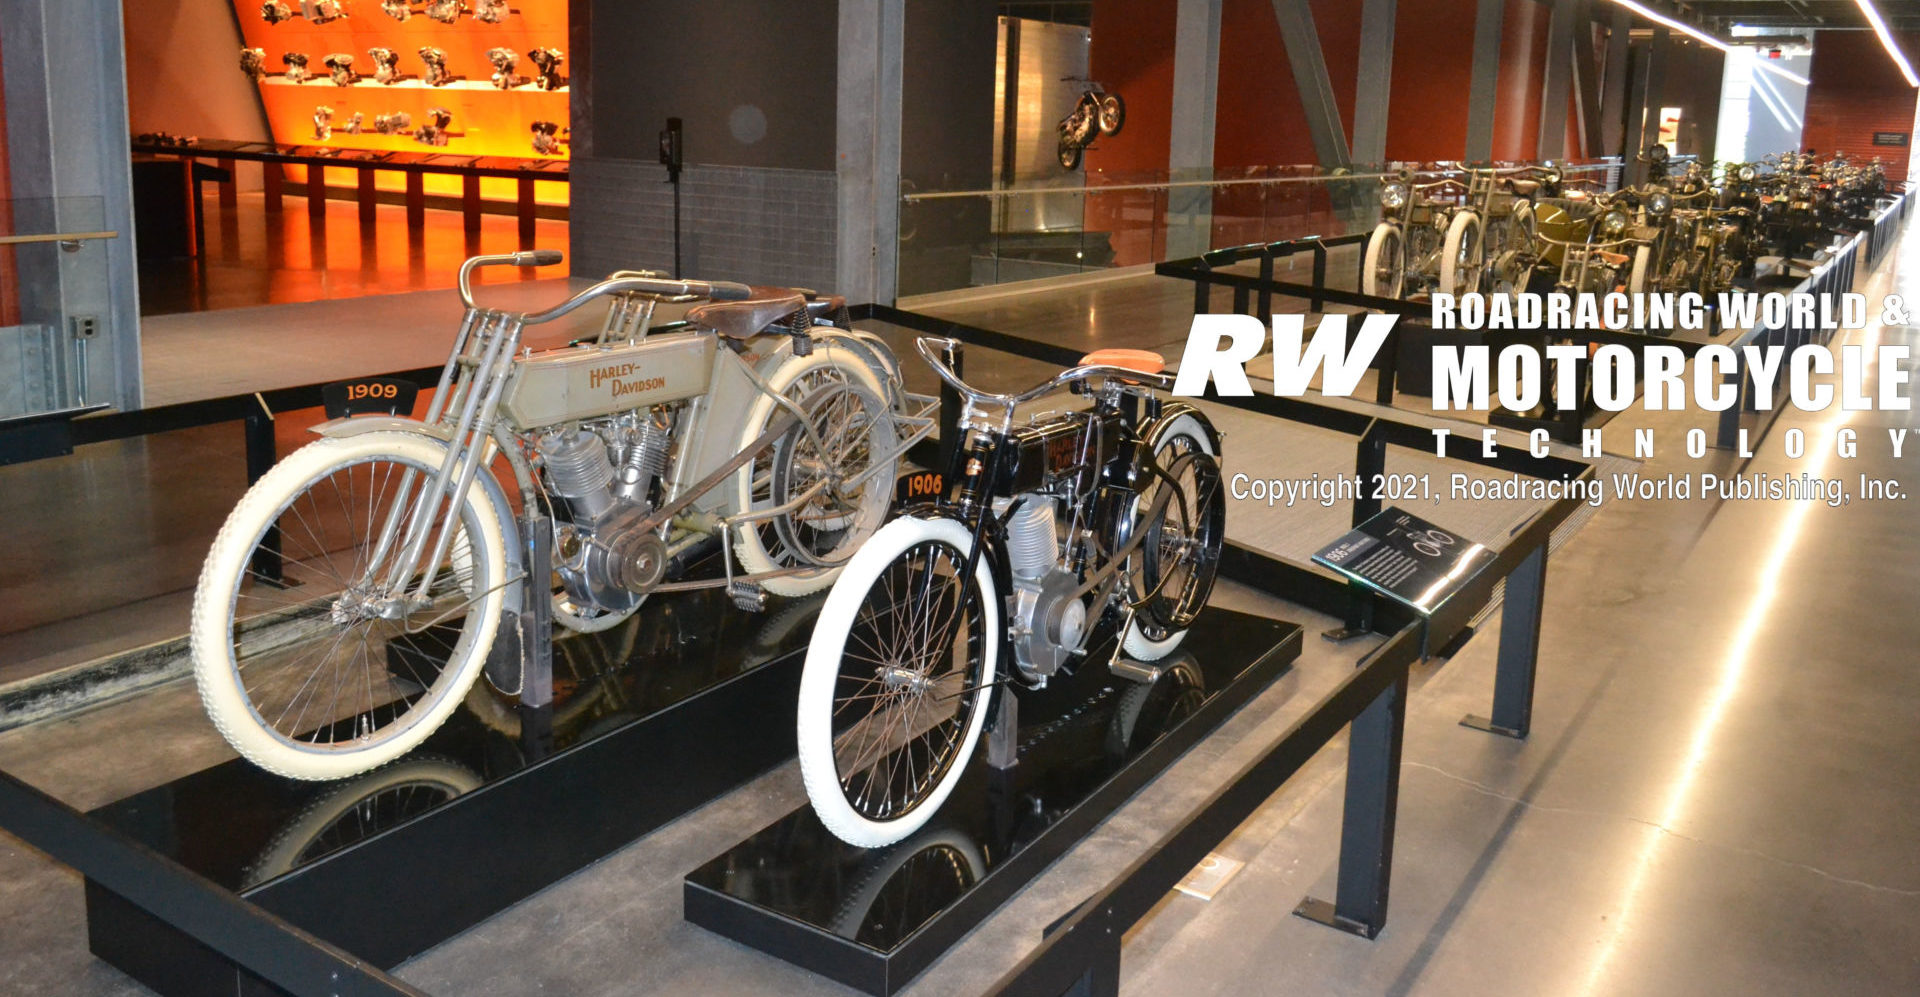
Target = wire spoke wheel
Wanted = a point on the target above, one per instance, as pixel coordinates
(1180, 551)
(350, 666)
(897, 680)
(906, 683)
(850, 429)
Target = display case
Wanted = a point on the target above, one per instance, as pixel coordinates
(384, 76)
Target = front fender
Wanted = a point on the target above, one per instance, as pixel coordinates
(336, 429)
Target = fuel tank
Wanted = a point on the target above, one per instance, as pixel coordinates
(581, 382)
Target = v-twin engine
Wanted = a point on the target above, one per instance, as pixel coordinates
(1049, 625)
(602, 557)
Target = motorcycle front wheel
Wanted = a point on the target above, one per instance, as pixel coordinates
(897, 681)
(1113, 113)
(303, 665)
(1384, 271)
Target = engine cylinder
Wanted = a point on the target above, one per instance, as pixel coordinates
(1032, 547)
(579, 470)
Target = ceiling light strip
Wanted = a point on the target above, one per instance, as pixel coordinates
(1706, 39)
(1886, 39)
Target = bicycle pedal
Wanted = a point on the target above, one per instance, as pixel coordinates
(748, 596)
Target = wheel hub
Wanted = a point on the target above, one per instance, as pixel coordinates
(899, 677)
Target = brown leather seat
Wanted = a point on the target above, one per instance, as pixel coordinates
(825, 307)
(1523, 188)
(749, 318)
(1144, 361)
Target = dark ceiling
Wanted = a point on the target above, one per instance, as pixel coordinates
(1900, 15)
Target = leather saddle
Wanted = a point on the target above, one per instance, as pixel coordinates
(1523, 188)
(768, 305)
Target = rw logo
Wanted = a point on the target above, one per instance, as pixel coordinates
(1219, 347)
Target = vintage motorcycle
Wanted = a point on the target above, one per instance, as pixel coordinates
(632, 461)
(1053, 527)
(1096, 113)
(1444, 235)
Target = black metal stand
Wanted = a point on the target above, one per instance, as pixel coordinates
(1519, 650)
(531, 794)
(1366, 830)
(874, 919)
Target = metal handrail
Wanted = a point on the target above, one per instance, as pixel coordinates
(939, 195)
(17, 240)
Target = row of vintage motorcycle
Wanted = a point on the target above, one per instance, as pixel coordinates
(750, 445)
(1689, 227)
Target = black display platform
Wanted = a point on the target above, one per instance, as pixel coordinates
(874, 919)
(496, 805)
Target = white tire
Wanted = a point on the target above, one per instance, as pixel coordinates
(1136, 643)
(1642, 266)
(819, 680)
(758, 547)
(1464, 237)
(1386, 251)
(479, 564)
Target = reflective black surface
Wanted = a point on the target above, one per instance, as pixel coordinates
(1085, 744)
(243, 827)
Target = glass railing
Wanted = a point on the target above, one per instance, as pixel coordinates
(54, 302)
(1042, 229)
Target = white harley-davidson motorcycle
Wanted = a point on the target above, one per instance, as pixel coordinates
(360, 587)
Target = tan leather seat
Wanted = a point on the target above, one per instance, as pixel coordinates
(1144, 361)
(749, 318)
(1523, 188)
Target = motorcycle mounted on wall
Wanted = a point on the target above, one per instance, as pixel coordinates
(1096, 113)
(562, 485)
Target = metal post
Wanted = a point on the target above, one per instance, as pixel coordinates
(267, 563)
(1559, 68)
(1366, 830)
(1102, 978)
(1317, 303)
(1487, 25)
(1371, 460)
(1265, 310)
(1613, 83)
(1310, 76)
(1370, 102)
(1519, 653)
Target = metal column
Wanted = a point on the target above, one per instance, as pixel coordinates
(1586, 80)
(1310, 75)
(867, 140)
(1196, 79)
(1613, 83)
(1552, 143)
(1375, 85)
(1488, 24)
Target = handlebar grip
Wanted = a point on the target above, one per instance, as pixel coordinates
(726, 290)
(538, 258)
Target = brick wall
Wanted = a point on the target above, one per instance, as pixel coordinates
(752, 224)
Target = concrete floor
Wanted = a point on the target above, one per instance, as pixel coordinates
(1719, 796)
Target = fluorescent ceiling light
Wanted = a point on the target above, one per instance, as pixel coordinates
(1886, 39)
(1687, 29)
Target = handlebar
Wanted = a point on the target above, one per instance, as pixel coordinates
(929, 347)
(626, 281)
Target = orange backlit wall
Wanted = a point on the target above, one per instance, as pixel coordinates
(487, 121)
